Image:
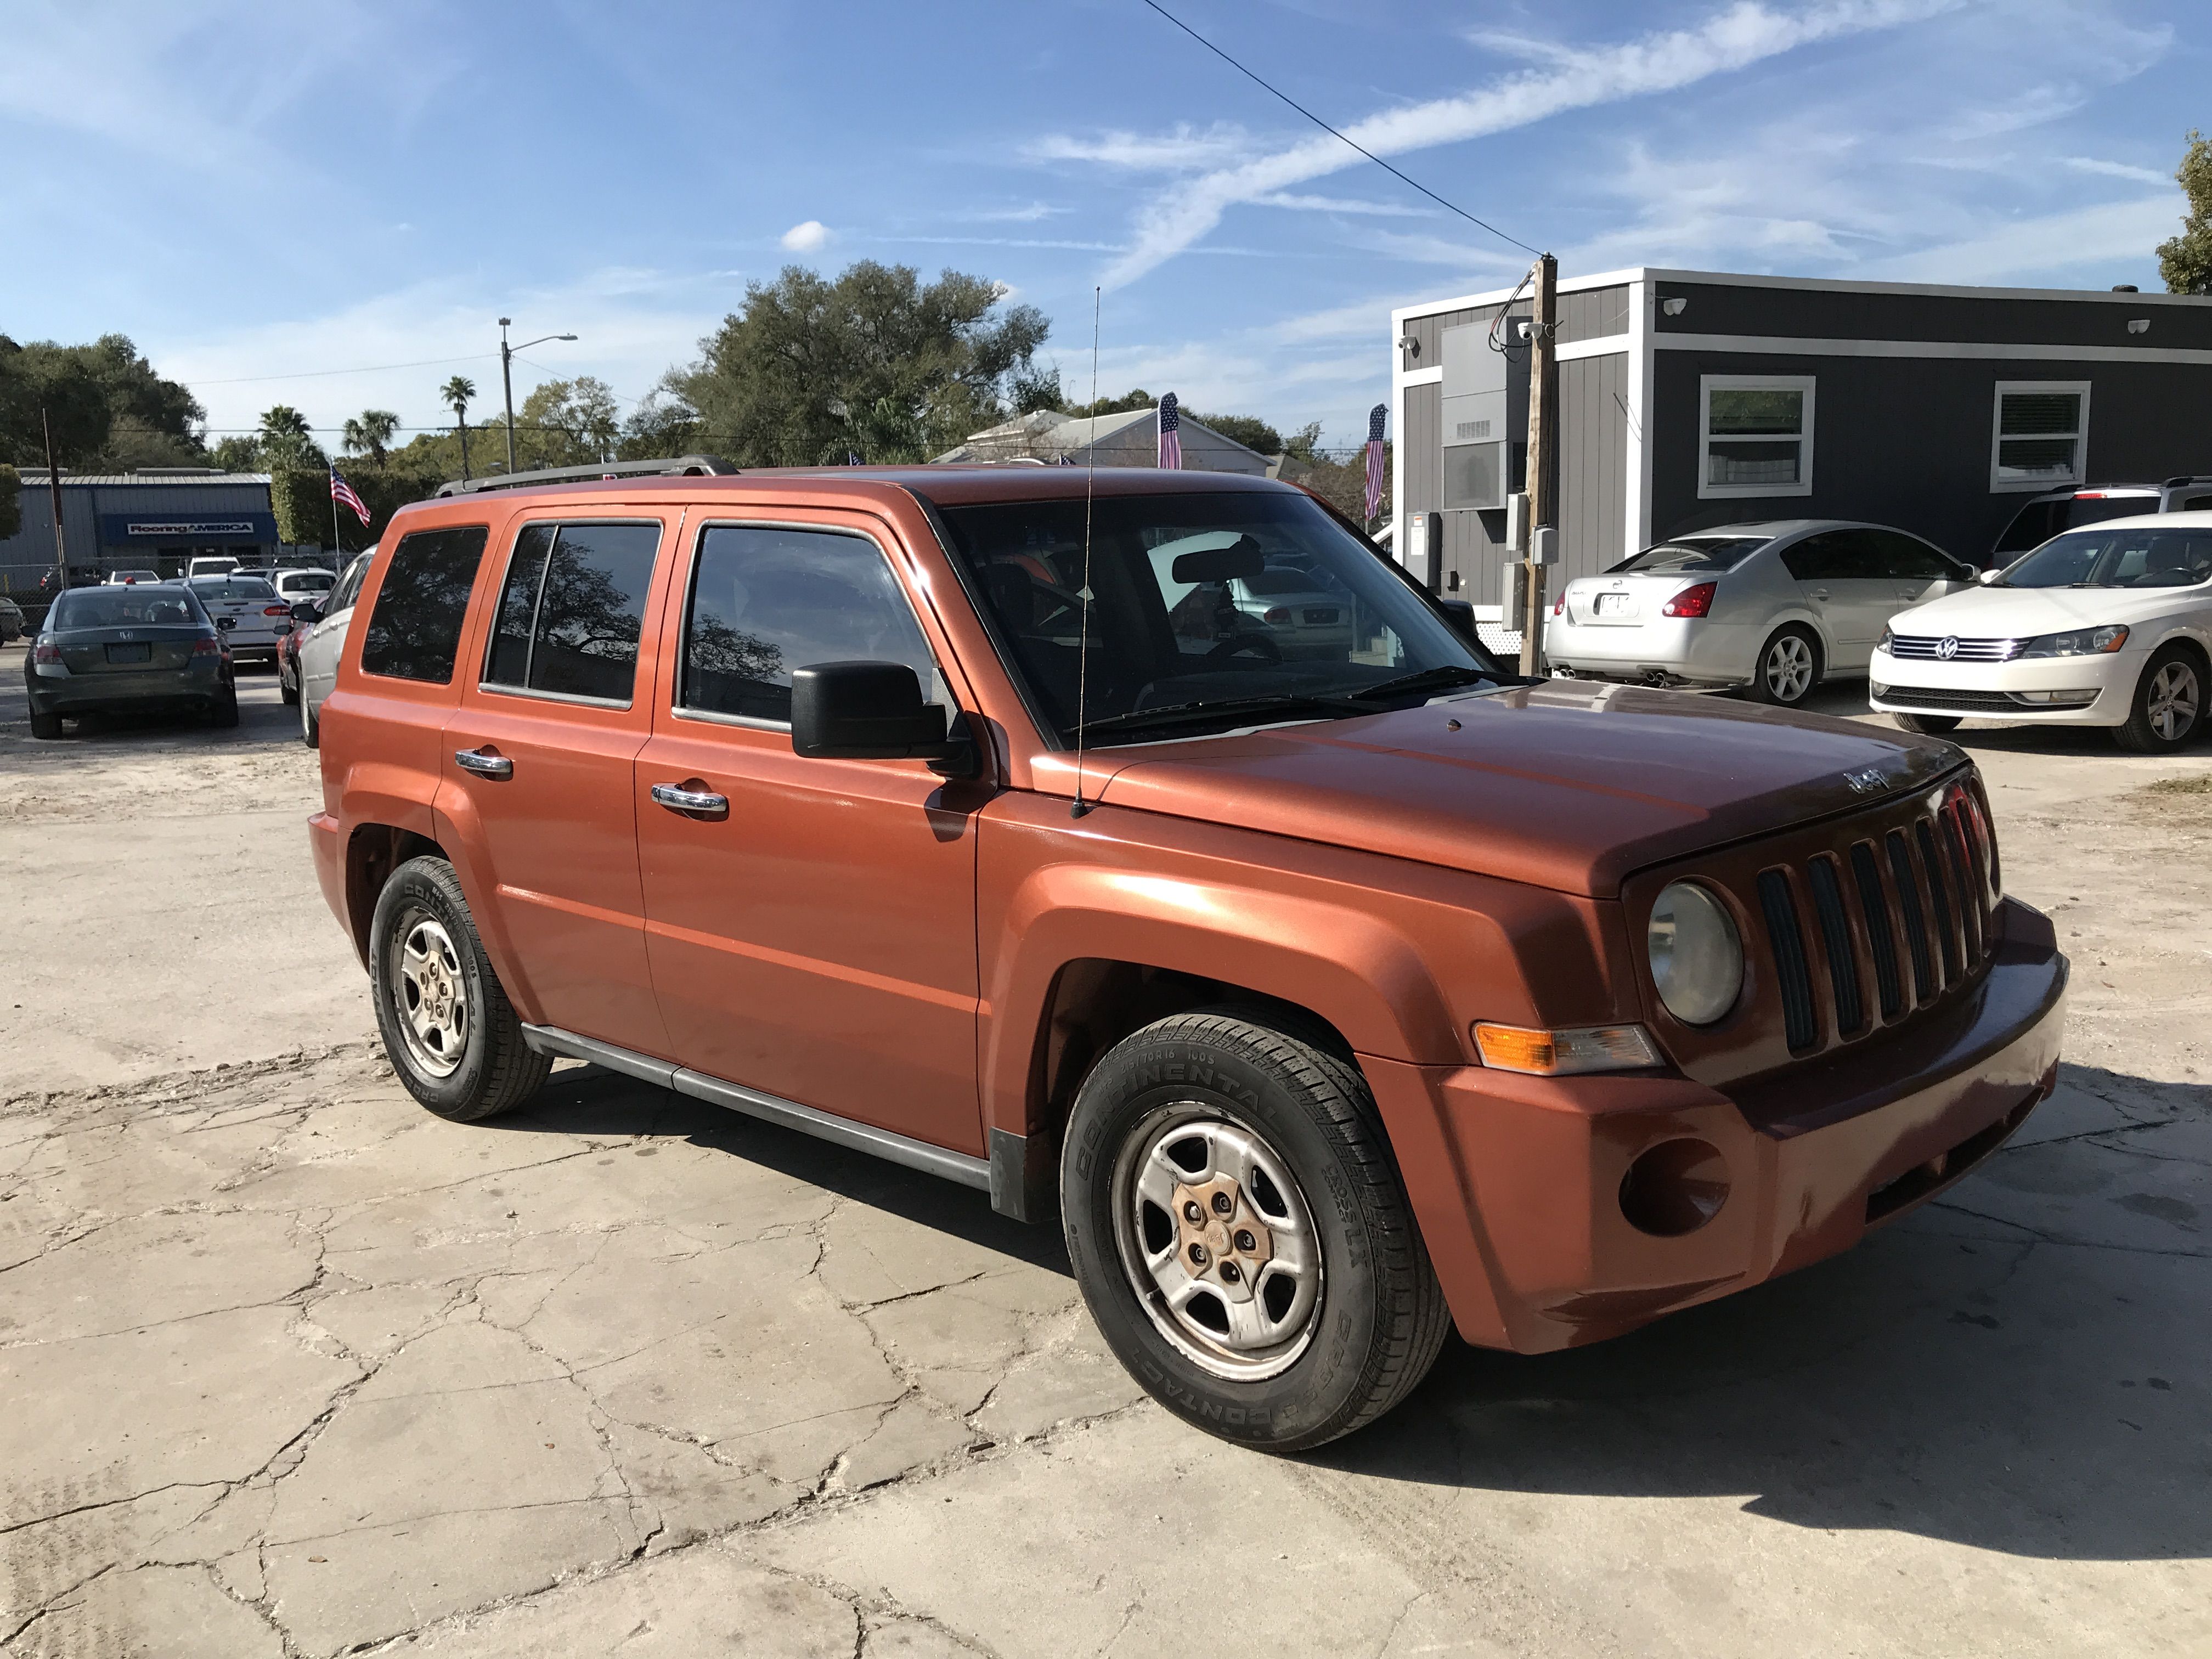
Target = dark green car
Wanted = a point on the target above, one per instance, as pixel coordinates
(144, 647)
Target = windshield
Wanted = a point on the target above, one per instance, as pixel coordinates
(1702, 555)
(2146, 556)
(1188, 614)
(124, 607)
(232, 588)
(310, 581)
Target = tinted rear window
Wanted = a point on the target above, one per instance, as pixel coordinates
(121, 607)
(414, 632)
(572, 608)
(232, 588)
(1705, 554)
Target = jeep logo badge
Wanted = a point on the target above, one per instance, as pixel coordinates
(1864, 783)
(1947, 646)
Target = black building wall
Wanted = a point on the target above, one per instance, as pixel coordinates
(1905, 441)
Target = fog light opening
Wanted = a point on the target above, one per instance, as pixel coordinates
(1675, 1187)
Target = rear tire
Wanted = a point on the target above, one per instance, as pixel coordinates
(45, 726)
(311, 728)
(223, 711)
(1929, 726)
(2167, 711)
(286, 687)
(448, 1028)
(1789, 667)
(1313, 1309)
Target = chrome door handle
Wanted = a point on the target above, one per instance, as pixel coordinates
(676, 799)
(484, 765)
(1819, 592)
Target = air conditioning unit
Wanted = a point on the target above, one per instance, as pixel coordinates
(1485, 416)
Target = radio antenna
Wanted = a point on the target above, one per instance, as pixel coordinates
(1083, 653)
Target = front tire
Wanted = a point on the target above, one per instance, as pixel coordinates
(45, 726)
(1929, 726)
(447, 1026)
(223, 711)
(287, 687)
(1789, 668)
(1240, 1233)
(2168, 709)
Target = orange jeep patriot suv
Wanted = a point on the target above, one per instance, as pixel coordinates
(1150, 853)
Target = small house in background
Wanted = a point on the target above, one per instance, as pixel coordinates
(1693, 399)
(1129, 439)
(155, 518)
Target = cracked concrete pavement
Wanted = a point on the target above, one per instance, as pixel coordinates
(292, 1368)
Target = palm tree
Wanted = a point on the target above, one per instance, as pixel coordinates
(456, 394)
(370, 433)
(287, 440)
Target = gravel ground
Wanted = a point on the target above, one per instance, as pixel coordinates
(293, 1367)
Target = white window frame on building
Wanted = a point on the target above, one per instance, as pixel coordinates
(2005, 480)
(1802, 439)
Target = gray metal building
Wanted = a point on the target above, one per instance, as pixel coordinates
(1693, 399)
(152, 520)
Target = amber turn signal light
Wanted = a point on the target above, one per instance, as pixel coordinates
(1562, 1053)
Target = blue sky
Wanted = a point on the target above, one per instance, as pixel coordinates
(253, 190)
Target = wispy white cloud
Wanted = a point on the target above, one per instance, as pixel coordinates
(1741, 34)
(2081, 239)
(2118, 170)
(1301, 203)
(1030, 214)
(1185, 149)
(808, 236)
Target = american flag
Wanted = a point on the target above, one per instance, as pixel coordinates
(1170, 432)
(1374, 419)
(342, 493)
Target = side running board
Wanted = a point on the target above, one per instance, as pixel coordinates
(826, 1126)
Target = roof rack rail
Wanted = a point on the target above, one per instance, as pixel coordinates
(682, 466)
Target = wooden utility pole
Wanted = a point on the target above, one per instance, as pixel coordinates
(54, 486)
(1543, 454)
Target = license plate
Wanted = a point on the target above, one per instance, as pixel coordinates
(1612, 605)
(1321, 617)
(130, 653)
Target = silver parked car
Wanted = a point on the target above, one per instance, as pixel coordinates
(321, 642)
(1773, 608)
(254, 620)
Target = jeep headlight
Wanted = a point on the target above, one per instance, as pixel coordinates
(2081, 642)
(1697, 957)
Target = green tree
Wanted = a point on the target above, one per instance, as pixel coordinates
(109, 409)
(286, 442)
(2185, 261)
(457, 394)
(239, 452)
(658, 428)
(875, 362)
(11, 501)
(1138, 398)
(369, 433)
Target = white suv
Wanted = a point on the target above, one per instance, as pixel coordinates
(2107, 626)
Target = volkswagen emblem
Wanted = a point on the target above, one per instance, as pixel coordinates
(1864, 783)
(1947, 646)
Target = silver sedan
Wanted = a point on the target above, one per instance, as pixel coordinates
(1773, 608)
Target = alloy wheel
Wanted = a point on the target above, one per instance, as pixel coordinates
(1217, 1241)
(2172, 702)
(430, 994)
(1789, 668)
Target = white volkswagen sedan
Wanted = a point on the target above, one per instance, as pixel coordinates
(1774, 608)
(2110, 626)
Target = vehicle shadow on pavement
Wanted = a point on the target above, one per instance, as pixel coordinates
(584, 1100)
(2018, 1366)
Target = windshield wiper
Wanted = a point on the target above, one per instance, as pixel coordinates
(1427, 679)
(1180, 713)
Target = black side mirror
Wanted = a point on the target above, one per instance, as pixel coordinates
(1460, 613)
(307, 610)
(864, 711)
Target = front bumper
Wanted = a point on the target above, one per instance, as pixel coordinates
(2100, 688)
(1518, 1181)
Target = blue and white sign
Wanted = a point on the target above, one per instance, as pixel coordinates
(215, 530)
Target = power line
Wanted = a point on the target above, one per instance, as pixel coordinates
(1452, 206)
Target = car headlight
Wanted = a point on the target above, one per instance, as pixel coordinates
(2081, 642)
(1697, 957)
(1887, 639)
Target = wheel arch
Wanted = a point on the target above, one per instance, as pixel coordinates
(373, 851)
